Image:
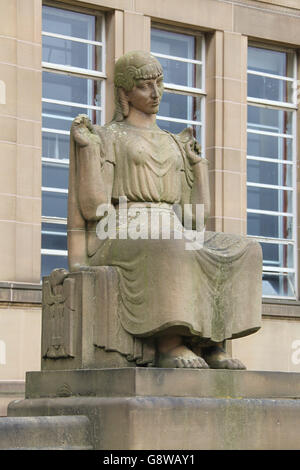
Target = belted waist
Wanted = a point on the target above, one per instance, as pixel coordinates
(154, 205)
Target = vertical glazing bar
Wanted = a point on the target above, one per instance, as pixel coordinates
(203, 99)
(294, 176)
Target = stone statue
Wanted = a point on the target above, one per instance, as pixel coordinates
(185, 301)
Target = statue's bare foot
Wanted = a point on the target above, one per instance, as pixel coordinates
(181, 357)
(217, 358)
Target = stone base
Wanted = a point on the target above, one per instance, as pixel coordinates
(10, 390)
(149, 408)
(45, 433)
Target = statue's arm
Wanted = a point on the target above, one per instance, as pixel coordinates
(94, 182)
(200, 190)
(195, 182)
(94, 173)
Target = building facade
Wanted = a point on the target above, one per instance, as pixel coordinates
(231, 71)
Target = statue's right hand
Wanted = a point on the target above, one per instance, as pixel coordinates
(83, 131)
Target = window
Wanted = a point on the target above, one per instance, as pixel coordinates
(271, 166)
(73, 83)
(182, 57)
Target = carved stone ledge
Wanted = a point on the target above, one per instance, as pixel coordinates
(18, 292)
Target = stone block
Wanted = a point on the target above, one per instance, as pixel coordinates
(8, 75)
(45, 433)
(8, 256)
(201, 13)
(28, 171)
(29, 20)
(80, 324)
(28, 254)
(140, 381)
(8, 129)
(266, 24)
(8, 22)
(10, 390)
(29, 91)
(141, 26)
(29, 133)
(149, 408)
(8, 157)
(7, 207)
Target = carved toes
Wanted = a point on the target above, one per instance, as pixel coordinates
(201, 363)
(182, 362)
(232, 364)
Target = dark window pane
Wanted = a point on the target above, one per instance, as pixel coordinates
(269, 225)
(68, 23)
(177, 127)
(181, 73)
(174, 44)
(278, 285)
(269, 88)
(278, 255)
(50, 262)
(60, 117)
(269, 199)
(269, 120)
(180, 107)
(54, 204)
(70, 88)
(267, 146)
(55, 176)
(55, 145)
(54, 236)
(269, 173)
(178, 45)
(270, 61)
(71, 53)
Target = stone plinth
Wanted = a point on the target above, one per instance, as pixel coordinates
(45, 433)
(149, 408)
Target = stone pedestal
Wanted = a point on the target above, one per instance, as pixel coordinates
(149, 408)
(45, 433)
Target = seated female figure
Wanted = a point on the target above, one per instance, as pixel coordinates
(189, 300)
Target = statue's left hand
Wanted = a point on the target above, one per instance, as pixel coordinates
(83, 131)
(193, 152)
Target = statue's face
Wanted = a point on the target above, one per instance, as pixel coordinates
(146, 95)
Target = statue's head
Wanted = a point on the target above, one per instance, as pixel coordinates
(130, 70)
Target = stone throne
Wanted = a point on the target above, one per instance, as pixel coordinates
(80, 324)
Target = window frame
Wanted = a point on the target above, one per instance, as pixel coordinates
(281, 106)
(186, 90)
(74, 72)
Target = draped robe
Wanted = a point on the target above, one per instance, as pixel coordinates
(212, 293)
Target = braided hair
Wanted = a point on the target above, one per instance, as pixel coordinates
(129, 68)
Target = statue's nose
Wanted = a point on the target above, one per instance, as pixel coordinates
(154, 93)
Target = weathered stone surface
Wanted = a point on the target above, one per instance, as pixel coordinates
(138, 408)
(80, 324)
(45, 432)
(162, 382)
(179, 422)
(10, 390)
